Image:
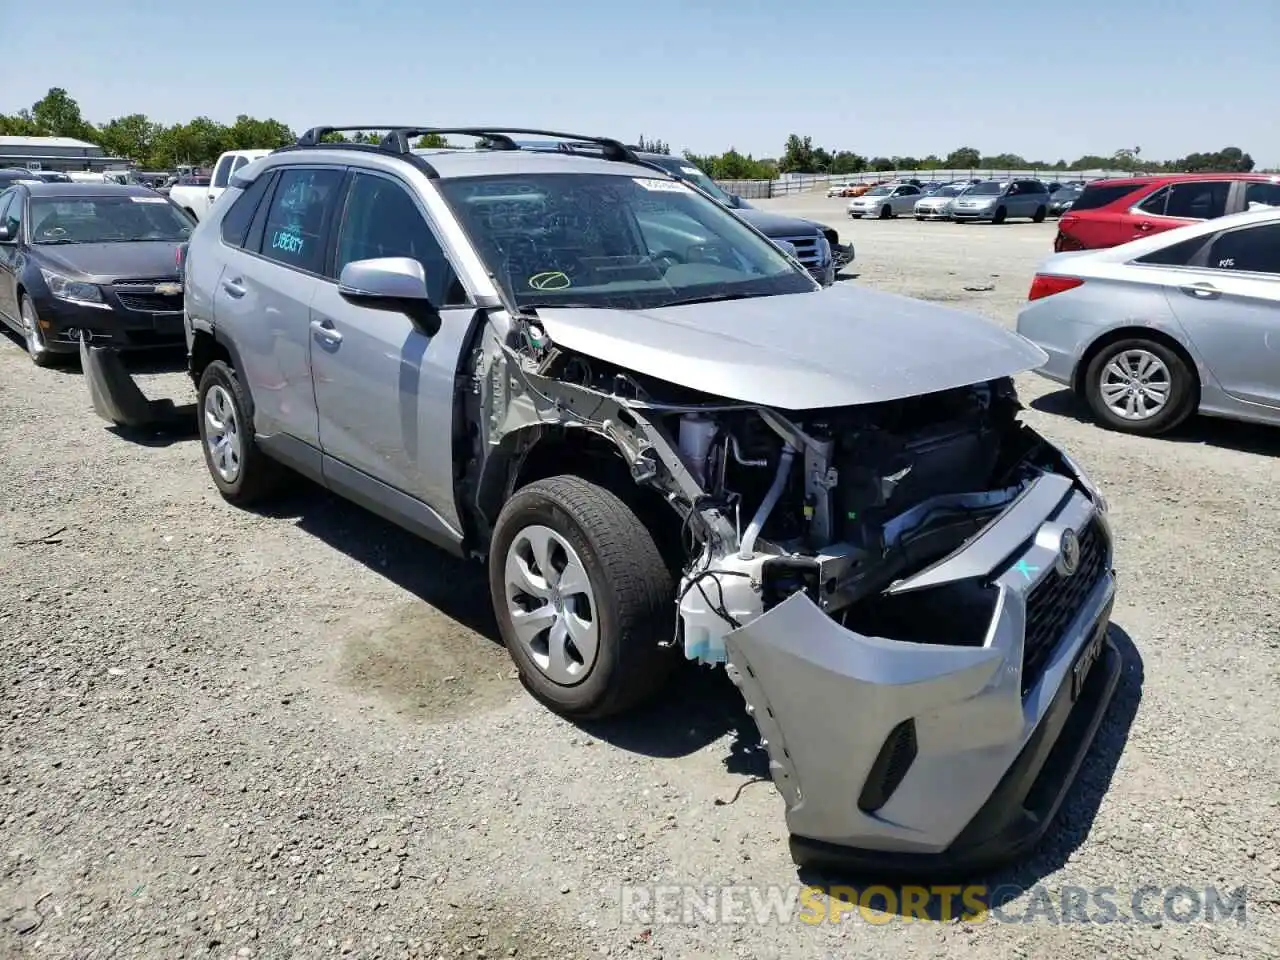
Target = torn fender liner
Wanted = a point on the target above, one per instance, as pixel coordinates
(116, 398)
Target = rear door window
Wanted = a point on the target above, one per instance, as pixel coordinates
(235, 223)
(1267, 194)
(1101, 195)
(1186, 253)
(1202, 200)
(222, 173)
(1250, 250)
(298, 216)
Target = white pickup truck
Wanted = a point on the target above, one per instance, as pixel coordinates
(196, 199)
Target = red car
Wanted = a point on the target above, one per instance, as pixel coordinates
(1111, 212)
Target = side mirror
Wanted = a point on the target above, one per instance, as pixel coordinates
(398, 284)
(4, 236)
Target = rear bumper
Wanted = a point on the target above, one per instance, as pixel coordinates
(926, 758)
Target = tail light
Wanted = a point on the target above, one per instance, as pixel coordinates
(1046, 285)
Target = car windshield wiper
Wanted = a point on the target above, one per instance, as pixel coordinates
(56, 240)
(714, 297)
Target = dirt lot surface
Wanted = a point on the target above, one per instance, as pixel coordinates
(293, 735)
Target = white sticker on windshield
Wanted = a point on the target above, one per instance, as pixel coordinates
(148, 199)
(669, 186)
(691, 171)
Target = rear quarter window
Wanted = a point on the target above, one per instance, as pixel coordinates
(235, 222)
(1102, 195)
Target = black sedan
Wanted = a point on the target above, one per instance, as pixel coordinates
(1061, 201)
(96, 262)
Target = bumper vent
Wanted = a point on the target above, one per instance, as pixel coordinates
(1055, 600)
(891, 766)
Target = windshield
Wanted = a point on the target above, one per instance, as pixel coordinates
(950, 191)
(107, 220)
(685, 169)
(604, 240)
(878, 192)
(988, 189)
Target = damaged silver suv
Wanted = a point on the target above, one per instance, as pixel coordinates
(663, 436)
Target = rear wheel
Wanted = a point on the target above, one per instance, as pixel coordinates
(240, 470)
(1139, 386)
(583, 597)
(1040, 214)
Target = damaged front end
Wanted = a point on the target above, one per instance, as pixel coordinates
(912, 596)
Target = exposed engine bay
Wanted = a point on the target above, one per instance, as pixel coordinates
(841, 504)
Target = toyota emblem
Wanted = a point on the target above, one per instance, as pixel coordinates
(1068, 553)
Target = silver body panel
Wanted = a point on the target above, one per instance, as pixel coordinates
(1230, 328)
(840, 346)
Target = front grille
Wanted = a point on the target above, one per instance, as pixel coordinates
(806, 249)
(141, 295)
(1054, 602)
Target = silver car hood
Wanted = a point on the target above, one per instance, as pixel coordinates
(837, 347)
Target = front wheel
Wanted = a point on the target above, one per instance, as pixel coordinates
(1139, 386)
(40, 354)
(582, 596)
(885, 212)
(1000, 215)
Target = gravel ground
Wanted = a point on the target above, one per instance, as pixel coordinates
(229, 734)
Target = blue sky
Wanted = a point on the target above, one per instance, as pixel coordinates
(1043, 80)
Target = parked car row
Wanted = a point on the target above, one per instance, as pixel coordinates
(965, 200)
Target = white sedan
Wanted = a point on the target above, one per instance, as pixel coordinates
(1152, 331)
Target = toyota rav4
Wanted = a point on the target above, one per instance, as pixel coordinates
(661, 435)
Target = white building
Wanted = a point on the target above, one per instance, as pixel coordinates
(56, 153)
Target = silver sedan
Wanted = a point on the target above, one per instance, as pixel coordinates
(1152, 331)
(886, 200)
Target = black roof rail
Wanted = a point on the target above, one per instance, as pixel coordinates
(398, 141)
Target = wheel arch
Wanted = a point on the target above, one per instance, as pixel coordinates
(1130, 332)
(539, 452)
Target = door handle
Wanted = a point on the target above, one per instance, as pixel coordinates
(324, 329)
(233, 287)
(1144, 226)
(1201, 291)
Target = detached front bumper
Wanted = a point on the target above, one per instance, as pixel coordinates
(925, 759)
(117, 399)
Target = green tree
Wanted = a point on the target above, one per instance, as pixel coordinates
(652, 146)
(249, 133)
(963, 158)
(58, 115)
(882, 164)
(432, 141)
(132, 137)
(845, 161)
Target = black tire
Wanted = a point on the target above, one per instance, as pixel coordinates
(1040, 214)
(39, 353)
(920, 218)
(1000, 215)
(632, 587)
(259, 477)
(885, 212)
(1183, 389)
